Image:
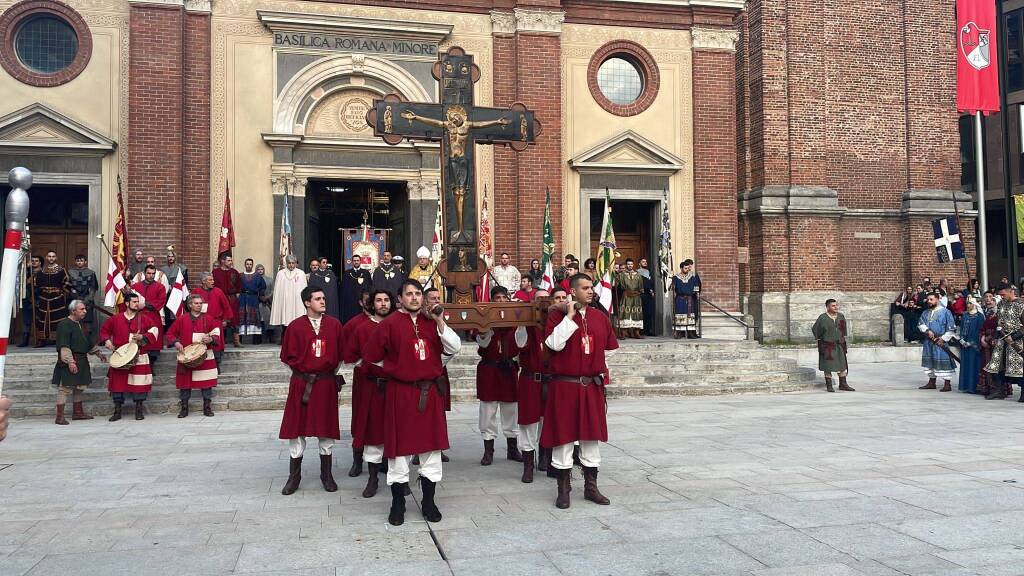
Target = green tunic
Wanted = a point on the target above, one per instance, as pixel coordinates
(631, 308)
(831, 337)
(71, 336)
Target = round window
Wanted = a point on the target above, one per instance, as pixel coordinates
(620, 81)
(46, 44)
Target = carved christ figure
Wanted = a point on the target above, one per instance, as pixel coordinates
(457, 127)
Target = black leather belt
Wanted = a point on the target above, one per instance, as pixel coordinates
(310, 377)
(506, 364)
(424, 386)
(536, 376)
(582, 380)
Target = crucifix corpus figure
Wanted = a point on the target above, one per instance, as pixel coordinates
(458, 124)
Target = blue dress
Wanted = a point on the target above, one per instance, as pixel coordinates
(253, 286)
(970, 352)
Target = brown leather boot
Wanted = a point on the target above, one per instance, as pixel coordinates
(117, 412)
(78, 412)
(527, 466)
(357, 463)
(929, 386)
(564, 488)
(372, 481)
(327, 473)
(183, 411)
(844, 386)
(828, 385)
(294, 476)
(590, 491)
(543, 458)
(139, 411)
(638, 334)
(512, 450)
(946, 387)
(237, 340)
(60, 416)
(488, 453)
(207, 407)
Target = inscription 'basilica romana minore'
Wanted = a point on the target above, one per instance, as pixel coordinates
(355, 44)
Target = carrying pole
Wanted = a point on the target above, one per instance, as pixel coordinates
(979, 187)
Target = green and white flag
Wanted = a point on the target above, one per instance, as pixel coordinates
(606, 257)
(547, 281)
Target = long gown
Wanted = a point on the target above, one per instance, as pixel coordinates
(685, 307)
(253, 287)
(970, 352)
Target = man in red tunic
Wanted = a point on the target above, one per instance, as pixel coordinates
(195, 328)
(433, 297)
(368, 415)
(576, 405)
(529, 344)
(408, 345)
(217, 307)
(118, 330)
(352, 355)
(312, 347)
(154, 298)
(229, 281)
(496, 376)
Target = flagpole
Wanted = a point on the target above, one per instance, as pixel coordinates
(982, 239)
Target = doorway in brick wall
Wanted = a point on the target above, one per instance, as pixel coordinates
(335, 205)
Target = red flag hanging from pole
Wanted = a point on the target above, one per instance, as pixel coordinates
(977, 69)
(227, 230)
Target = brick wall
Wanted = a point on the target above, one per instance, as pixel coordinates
(504, 220)
(195, 201)
(714, 166)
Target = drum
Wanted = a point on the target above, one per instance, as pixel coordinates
(193, 355)
(125, 356)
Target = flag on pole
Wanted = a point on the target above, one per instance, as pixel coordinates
(284, 246)
(484, 294)
(179, 293)
(665, 246)
(547, 281)
(118, 254)
(948, 246)
(977, 75)
(437, 246)
(606, 257)
(227, 230)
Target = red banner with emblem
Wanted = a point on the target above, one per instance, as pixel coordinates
(977, 69)
(227, 229)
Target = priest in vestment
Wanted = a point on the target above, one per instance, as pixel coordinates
(354, 281)
(312, 347)
(424, 271)
(286, 304)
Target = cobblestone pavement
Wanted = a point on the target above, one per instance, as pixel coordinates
(889, 480)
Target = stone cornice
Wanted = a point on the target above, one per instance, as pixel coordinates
(300, 21)
(198, 6)
(544, 21)
(714, 39)
(823, 202)
(734, 4)
(503, 22)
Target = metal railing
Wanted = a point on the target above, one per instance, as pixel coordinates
(700, 319)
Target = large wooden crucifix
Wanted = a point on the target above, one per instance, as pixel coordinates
(458, 124)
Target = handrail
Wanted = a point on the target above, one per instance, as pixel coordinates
(717, 307)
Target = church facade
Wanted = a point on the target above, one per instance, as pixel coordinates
(800, 149)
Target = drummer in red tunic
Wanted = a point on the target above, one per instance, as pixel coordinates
(408, 345)
(575, 406)
(368, 415)
(195, 328)
(154, 298)
(118, 330)
(496, 376)
(352, 351)
(216, 305)
(529, 344)
(312, 348)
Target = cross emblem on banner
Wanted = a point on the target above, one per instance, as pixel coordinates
(948, 246)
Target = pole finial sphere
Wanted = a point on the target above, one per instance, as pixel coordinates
(20, 178)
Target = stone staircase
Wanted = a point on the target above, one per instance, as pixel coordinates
(253, 377)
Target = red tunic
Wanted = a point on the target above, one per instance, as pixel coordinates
(351, 354)
(497, 371)
(368, 414)
(407, 430)
(217, 307)
(311, 353)
(155, 295)
(189, 330)
(531, 358)
(230, 283)
(574, 411)
(118, 329)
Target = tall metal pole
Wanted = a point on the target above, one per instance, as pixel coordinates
(982, 239)
(16, 214)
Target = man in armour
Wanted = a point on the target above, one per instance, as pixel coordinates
(52, 286)
(137, 265)
(170, 271)
(1006, 363)
(83, 288)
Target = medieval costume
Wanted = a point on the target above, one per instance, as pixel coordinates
(1006, 364)
(253, 288)
(388, 277)
(170, 271)
(935, 357)
(647, 300)
(630, 310)
(137, 380)
(73, 348)
(368, 431)
(326, 281)
(575, 406)
(217, 307)
(158, 277)
(188, 329)
(496, 376)
(970, 348)
(352, 351)
(83, 288)
(409, 349)
(52, 286)
(686, 304)
(230, 283)
(287, 302)
(830, 333)
(353, 282)
(987, 382)
(312, 348)
(154, 298)
(529, 397)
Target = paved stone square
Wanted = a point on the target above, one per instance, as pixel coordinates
(885, 481)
